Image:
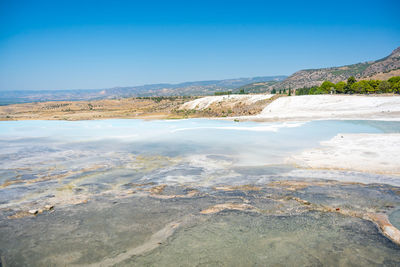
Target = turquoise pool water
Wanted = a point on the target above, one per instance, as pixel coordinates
(115, 183)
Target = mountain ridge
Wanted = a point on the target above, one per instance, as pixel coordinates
(385, 67)
(362, 70)
(197, 88)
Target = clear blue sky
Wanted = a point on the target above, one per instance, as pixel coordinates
(100, 44)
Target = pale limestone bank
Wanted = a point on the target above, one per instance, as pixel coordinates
(331, 107)
(374, 153)
(225, 100)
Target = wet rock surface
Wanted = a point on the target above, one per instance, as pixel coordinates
(235, 226)
(189, 192)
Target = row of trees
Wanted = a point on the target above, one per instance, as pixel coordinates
(391, 85)
(223, 93)
(289, 91)
(241, 92)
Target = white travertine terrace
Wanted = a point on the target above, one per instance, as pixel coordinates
(332, 106)
(375, 153)
(205, 102)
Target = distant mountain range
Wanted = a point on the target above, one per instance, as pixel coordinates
(380, 69)
(186, 88)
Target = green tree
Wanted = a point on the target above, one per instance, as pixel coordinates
(393, 83)
(356, 87)
(313, 90)
(384, 87)
(241, 92)
(303, 91)
(290, 92)
(362, 87)
(340, 87)
(394, 80)
(326, 87)
(374, 84)
(370, 87)
(396, 87)
(351, 80)
(273, 91)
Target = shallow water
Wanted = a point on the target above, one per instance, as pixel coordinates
(115, 184)
(233, 239)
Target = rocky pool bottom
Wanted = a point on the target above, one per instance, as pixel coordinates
(286, 222)
(198, 192)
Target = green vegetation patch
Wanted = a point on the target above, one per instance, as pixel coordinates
(391, 85)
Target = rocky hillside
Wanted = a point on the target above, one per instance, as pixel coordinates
(314, 77)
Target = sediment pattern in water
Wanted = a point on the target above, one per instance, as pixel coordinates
(190, 192)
